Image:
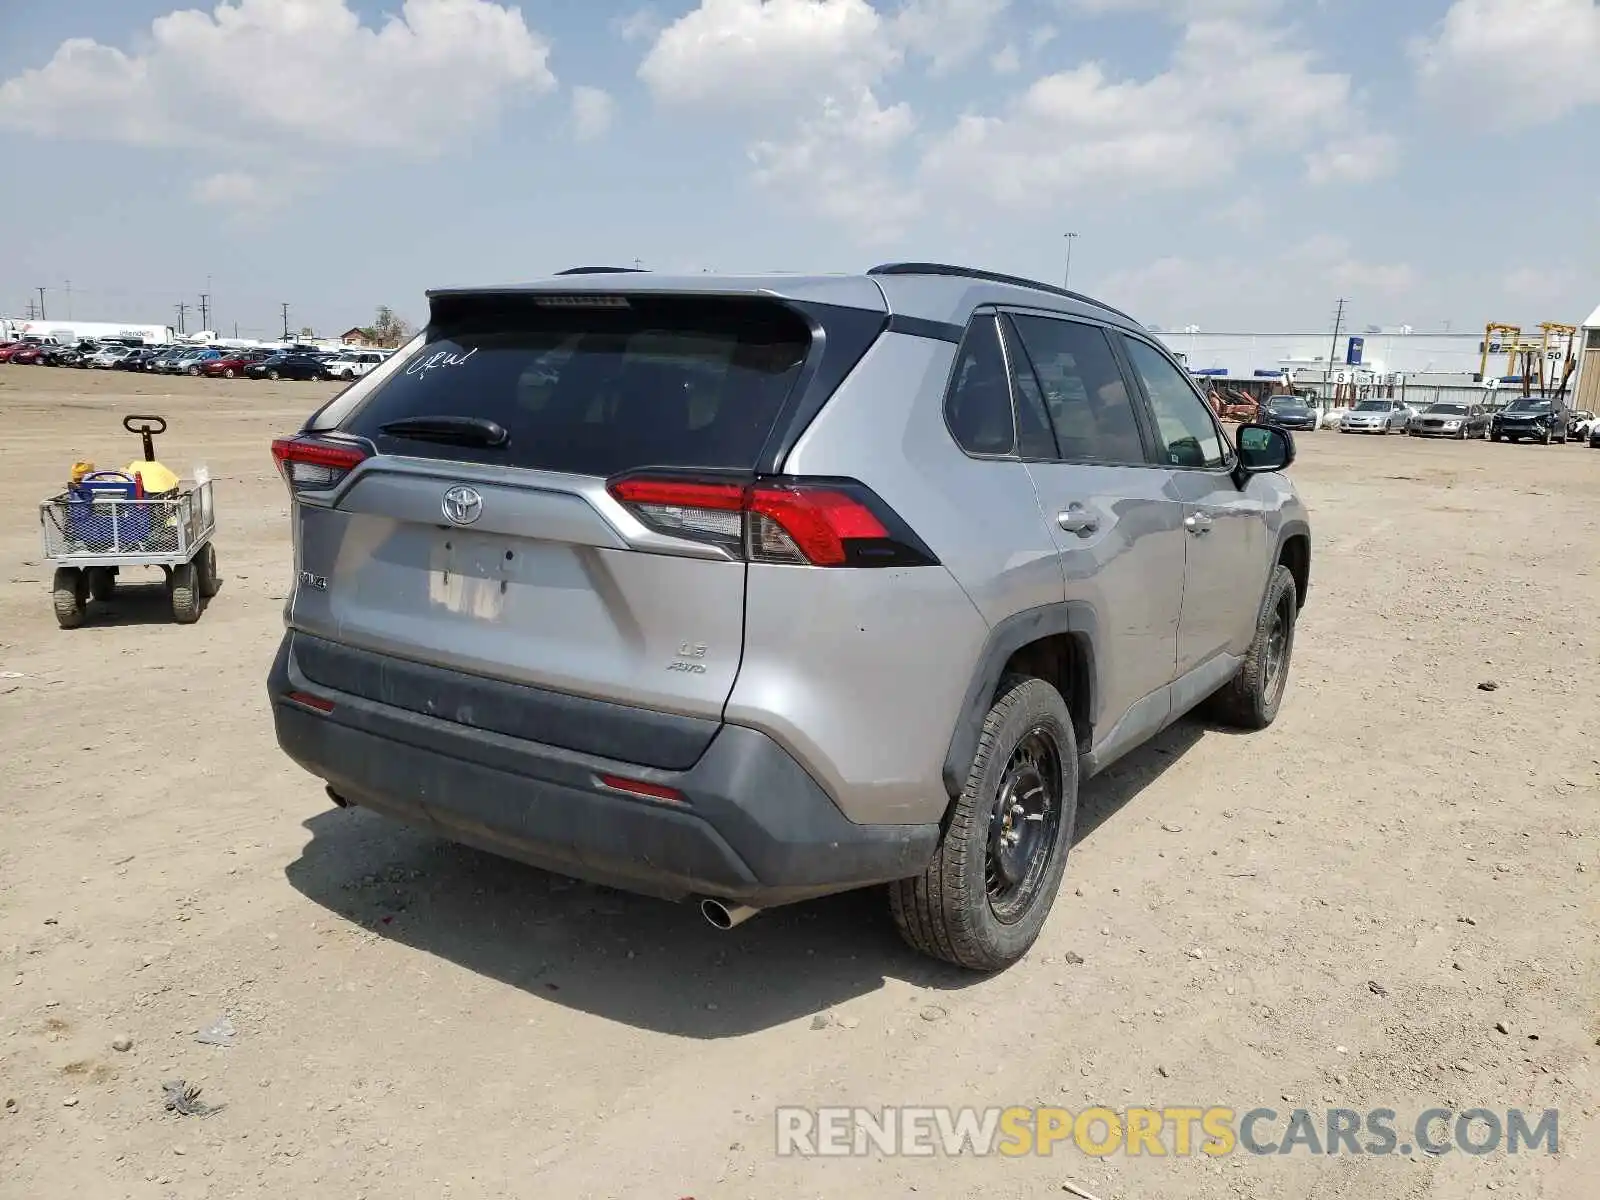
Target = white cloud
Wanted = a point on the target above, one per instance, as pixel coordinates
(1288, 285)
(640, 25)
(946, 32)
(593, 110)
(737, 54)
(1233, 89)
(1354, 159)
(1514, 63)
(1247, 212)
(1540, 283)
(274, 72)
(1175, 10)
(837, 163)
(1007, 60)
(250, 196)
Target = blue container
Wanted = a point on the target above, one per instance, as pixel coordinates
(102, 526)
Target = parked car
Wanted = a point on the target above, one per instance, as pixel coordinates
(1451, 419)
(1594, 434)
(7, 349)
(352, 364)
(1579, 423)
(1376, 416)
(230, 364)
(287, 366)
(1288, 412)
(29, 354)
(679, 641)
(164, 362)
(107, 357)
(1534, 418)
(191, 364)
(137, 360)
(61, 356)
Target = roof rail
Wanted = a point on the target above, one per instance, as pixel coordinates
(919, 268)
(601, 271)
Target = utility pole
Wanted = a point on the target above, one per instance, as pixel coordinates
(286, 320)
(204, 312)
(182, 309)
(638, 264)
(31, 309)
(42, 317)
(1333, 346)
(1066, 277)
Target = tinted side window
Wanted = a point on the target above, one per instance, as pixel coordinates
(1188, 435)
(978, 406)
(1083, 390)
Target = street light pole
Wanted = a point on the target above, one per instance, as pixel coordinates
(1066, 279)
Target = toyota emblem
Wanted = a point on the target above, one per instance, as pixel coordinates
(462, 505)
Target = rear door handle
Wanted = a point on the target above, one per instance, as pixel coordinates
(1075, 518)
(1199, 524)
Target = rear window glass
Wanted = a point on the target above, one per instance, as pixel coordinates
(594, 390)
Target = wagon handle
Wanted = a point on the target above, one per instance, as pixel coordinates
(147, 426)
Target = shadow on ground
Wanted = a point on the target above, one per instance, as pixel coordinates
(639, 961)
(143, 600)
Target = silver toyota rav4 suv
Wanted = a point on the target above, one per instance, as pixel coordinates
(751, 590)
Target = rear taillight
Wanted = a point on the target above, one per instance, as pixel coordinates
(806, 522)
(311, 465)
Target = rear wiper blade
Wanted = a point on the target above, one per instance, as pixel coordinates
(454, 431)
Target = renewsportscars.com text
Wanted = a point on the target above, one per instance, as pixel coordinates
(1178, 1131)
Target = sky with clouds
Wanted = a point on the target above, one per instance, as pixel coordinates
(1235, 164)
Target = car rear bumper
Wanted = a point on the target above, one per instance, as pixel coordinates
(751, 826)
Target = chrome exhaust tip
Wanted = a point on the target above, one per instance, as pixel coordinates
(723, 915)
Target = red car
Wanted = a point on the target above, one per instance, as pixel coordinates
(227, 367)
(26, 355)
(10, 348)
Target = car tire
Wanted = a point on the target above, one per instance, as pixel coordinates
(184, 586)
(1026, 751)
(193, 371)
(1250, 700)
(1494, 437)
(1546, 439)
(228, 372)
(272, 375)
(69, 592)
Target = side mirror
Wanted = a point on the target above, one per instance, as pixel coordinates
(1262, 448)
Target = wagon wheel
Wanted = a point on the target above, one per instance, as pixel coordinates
(102, 583)
(70, 594)
(185, 594)
(205, 566)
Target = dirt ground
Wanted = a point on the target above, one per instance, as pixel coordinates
(1338, 911)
